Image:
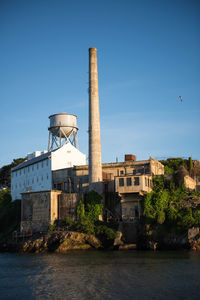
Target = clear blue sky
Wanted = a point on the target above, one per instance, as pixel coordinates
(148, 55)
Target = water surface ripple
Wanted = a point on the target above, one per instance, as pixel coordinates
(100, 275)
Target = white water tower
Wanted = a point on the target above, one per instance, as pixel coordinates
(63, 128)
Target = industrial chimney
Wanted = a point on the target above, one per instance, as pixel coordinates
(95, 167)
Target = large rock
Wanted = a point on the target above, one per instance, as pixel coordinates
(61, 242)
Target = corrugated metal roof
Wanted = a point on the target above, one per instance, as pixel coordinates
(31, 161)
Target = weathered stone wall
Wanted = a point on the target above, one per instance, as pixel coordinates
(131, 207)
(39, 209)
(80, 179)
(143, 184)
(67, 204)
(156, 167)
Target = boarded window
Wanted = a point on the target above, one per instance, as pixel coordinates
(121, 181)
(128, 181)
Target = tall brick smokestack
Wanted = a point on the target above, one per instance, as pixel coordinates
(95, 166)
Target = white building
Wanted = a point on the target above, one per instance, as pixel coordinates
(35, 174)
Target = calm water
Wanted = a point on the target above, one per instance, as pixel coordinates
(100, 275)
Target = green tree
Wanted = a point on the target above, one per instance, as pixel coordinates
(93, 206)
(80, 210)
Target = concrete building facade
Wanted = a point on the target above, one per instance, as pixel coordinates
(35, 174)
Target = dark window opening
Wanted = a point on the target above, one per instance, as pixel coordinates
(128, 181)
(137, 181)
(147, 170)
(121, 181)
(136, 212)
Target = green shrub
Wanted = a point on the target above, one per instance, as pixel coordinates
(93, 206)
(10, 215)
(85, 225)
(172, 213)
(69, 221)
(185, 219)
(105, 231)
(80, 210)
(161, 217)
(196, 216)
(52, 227)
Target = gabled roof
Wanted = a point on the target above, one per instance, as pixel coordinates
(41, 157)
(31, 161)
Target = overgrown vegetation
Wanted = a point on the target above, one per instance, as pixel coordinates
(88, 213)
(5, 171)
(10, 215)
(172, 165)
(171, 206)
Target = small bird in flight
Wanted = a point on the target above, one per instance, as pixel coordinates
(180, 98)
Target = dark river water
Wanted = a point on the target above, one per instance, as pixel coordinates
(100, 275)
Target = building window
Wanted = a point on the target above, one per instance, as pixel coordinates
(47, 162)
(128, 181)
(37, 179)
(122, 172)
(59, 187)
(28, 169)
(33, 180)
(47, 177)
(136, 181)
(32, 167)
(121, 181)
(24, 171)
(134, 171)
(38, 166)
(42, 164)
(20, 172)
(141, 171)
(42, 177)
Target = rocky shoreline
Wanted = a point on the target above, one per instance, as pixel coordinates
(63, 241)
(59, 242)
